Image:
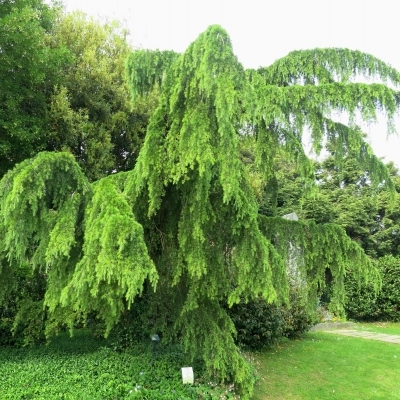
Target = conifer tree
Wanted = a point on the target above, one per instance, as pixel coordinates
(183, 225)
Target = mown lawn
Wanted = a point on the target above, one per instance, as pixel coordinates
(329, 366)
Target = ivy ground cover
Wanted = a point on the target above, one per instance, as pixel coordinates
(86, 368)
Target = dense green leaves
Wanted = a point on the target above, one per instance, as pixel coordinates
(209, 242)
(362, 303)
(90, 112)
(28, 71)
(64, 89)
(321, 66)
(95, 260)
(147, 69)
(38, 214)
(313, 249)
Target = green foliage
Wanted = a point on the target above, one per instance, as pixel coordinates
(202, 212)
(363, 304)
(134, 326)
(49, 230)
(85, 367)
(257, 323)
(28, 69)
(330, 249)
(146, 69)
(64, 89)
(260, 324)
(39, 227)
(387, 236)
(90, 111)
(322, 66)
(28, 325)
(347, 197)
(298, 317)
(115, 260)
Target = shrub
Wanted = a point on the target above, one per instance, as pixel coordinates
(298, 316)
(259, 324)
(132, 326)
(363, 304)
(6, 338)
(360, 301)
(21, 313)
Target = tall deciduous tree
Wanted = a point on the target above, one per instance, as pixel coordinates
(185, 220)
(91, 113)
(28, 70)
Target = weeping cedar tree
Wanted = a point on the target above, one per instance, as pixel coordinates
(183, 225)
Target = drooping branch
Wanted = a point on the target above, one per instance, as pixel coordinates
(41, 202)
(201, 210)
(291, 109)
(319, 247)
(115, 262)
(321, 66)
(147, 68)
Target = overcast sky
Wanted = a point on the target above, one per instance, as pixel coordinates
(263, 31)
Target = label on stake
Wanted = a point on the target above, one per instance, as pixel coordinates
(187, 375)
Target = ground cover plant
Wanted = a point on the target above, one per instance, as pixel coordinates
(329, 366)
(89, 368)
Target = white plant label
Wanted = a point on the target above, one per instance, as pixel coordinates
(187, 375)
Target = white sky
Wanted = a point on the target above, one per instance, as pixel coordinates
(263, 31)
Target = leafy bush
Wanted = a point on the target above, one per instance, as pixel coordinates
(360, 302)
(298, 317)
(363, 304)
(21, 314)
(259, 324)
(6, 338)
(132, 327)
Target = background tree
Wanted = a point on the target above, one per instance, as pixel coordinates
(91, 113)
(64, 89)
(29, 69)
(346, 197)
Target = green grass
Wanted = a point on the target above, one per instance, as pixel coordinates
(328, 366)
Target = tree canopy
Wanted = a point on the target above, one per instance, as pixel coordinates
(28, 70)
(90, 111)
(183, 226)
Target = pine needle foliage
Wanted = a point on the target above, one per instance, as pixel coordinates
(84, 237)
(146, 69)
(115, 260)
(183, 227)
(41, 201)
(316, 248)
(201, 212)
